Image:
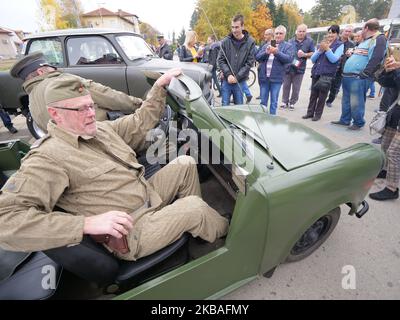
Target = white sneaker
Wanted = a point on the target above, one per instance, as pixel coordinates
(291, 107)
(284, 106)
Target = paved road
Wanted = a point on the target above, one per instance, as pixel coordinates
(371, 245)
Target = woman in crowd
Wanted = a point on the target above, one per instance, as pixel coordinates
(391, 136)
(188, 52)
(273, 57)
(326, 60)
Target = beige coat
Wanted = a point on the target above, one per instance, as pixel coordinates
(86, 177)
(105, 98)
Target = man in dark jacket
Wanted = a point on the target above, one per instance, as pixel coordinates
(391, 136)
(235, 61)
(164, 50)
(210, 56)
(303, 48)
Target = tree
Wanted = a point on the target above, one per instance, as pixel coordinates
(327, 11)
(195, 18)
(71, 12)
(256, 3)
(309, 20)
(260, 21)
(149, 33)
(294, 18)
(281, 17)
(220, 14)
(272, 9)
(182, 36)
(380, 9)
(50, 13)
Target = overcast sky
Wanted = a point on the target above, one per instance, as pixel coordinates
(164, 15)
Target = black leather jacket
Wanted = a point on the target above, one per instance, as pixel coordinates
(241, 59)
(392, 80)
(165, 52)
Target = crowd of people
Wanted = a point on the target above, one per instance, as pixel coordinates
(343, 59)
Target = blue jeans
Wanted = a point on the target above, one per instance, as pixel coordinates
(5, 118)
(216, 80)
(245, 89)
(268, 88)
(353, 102)
(231, 89)
(372, 89)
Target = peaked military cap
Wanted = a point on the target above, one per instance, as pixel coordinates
(29, 64)
(63, 88)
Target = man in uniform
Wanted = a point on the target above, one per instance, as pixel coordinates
(37, 73)
(87, 170)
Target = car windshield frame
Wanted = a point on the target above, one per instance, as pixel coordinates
(134, 47)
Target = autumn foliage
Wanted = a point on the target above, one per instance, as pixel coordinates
(215, 16)
(260, 21)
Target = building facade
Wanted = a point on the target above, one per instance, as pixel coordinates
(10, 43)
(103, 18)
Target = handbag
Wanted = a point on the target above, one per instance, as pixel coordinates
(324, 83)
(378, 122)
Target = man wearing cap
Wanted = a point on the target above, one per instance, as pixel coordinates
(164, 50)
(37, 73)
(87, 170)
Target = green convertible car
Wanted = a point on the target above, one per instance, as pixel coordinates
(281, 182)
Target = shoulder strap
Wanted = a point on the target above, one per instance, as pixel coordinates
(394, 104)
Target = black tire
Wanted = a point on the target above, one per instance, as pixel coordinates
(251, 80)
(35, 131)
(315, 235)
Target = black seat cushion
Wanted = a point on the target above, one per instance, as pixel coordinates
(129, 269)
(88, 260)
(91, 261)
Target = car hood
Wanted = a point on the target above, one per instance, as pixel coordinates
(293, 145)
(197, 71)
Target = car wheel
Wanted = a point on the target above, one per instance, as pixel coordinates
(35, 131)
(314, 236)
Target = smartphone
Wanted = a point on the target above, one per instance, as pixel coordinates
(273, 43)
(395, 52)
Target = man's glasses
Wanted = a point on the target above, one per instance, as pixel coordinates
(81, 110)
(279, 33)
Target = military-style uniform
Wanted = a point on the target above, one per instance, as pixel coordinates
(89, 176)
(105, 98)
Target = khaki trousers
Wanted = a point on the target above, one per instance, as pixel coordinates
(189, 213)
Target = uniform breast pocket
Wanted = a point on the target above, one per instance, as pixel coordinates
(99, 170)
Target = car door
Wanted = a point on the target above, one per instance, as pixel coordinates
(94, 57)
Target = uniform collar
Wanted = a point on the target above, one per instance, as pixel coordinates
(29, 85)
(70, 138)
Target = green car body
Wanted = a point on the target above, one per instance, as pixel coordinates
(297, 177)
